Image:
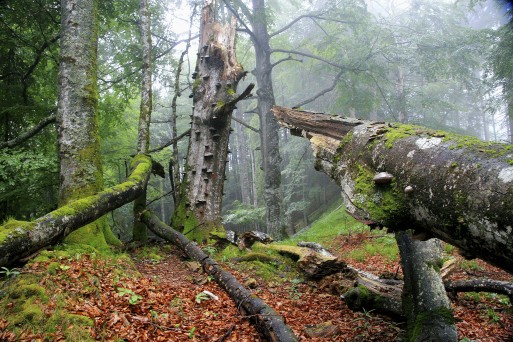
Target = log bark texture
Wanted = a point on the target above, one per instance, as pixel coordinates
(267, 321)
(455, 188)
(19, 239)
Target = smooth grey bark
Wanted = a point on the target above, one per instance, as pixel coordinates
(143, 140)
(214, 96)
(268, 126)
(455, 188)
(426, 306)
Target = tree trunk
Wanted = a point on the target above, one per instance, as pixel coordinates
(452, 187)
(81, 172)
(19, 239)
(244, 171)
(267, 321)
(216, 76)
(268, 127)
(426, 306)
(143, 140)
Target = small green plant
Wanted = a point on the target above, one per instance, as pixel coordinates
(202, 296)
(493, 316)
(470, 265)
(9, 273)
(64, 267)
(191, 332)
(132, 297)
(210, 249)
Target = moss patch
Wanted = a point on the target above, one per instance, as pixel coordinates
(384, 203)
(14, 228)
(427, 318)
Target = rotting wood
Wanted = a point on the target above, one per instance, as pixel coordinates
(266, 320)
(452, 187)
(312, 263)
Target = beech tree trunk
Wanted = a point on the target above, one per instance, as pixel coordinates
(455, 188)
(143, 140)
(267, 321)
(81, 171)
(426, 306)
(244, 171)
(269, 136)
(20, 239)
(216, 77)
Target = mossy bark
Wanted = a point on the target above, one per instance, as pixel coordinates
(81, 171)
(456, 188)
(426, 306)
(143, 141)
(216, 77)
(19, 239)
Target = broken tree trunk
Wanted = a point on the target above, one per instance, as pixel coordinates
(19, 239)
(456, 188)
(214, 98)
(267, 321)
(427, 308)
(314, 264)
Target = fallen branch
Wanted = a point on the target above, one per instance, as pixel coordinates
(19, 239)
(266, 320)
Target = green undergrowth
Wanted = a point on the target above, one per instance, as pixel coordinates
(334, 222)
(36, 305)
(384, 246)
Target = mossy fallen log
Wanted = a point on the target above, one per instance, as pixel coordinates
(314, 264)
(19, 239)
(266, 320)
(455, 188)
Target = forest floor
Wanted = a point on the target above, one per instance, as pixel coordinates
(162, 299)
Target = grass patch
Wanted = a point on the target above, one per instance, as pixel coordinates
(384, 246)
(332, 223)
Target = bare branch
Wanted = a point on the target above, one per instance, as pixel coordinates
(169, 143)
(309, 55)
(246, 12)
(322, 92)
(308, 16)
(245, 124)
(289, 58)
(30, 133)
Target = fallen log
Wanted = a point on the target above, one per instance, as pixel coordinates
(481, 285)
(266, 320)
(311, 262)
(19, 239)
(452, 187)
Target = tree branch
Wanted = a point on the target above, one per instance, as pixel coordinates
(21, 239)
(30, 133)
(289, 58)
(245, 124)
(169, 143)
(309, 16)
(246, 12)
(322, 92)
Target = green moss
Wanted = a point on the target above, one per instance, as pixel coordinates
(510, 162)
(384, 203)
(399, 131)
(359, 298)
(454, 164)
(426, 318)
(23, 304)
(82, 326)
(53, 267)
(13, 229)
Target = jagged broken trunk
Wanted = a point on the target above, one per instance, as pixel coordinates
(215, 80)
(455, 188)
